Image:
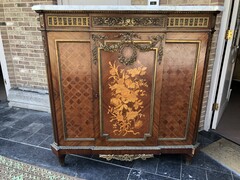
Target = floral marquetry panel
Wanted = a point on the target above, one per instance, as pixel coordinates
(127, 94)
(127, 88)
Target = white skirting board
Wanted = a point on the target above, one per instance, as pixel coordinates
(36, 100)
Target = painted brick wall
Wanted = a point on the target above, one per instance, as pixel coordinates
(23, 43)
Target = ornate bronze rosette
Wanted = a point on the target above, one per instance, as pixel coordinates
(124, 59)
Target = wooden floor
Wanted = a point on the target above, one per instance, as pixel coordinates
(229, 125)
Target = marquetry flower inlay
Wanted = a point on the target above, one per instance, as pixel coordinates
(126, 104)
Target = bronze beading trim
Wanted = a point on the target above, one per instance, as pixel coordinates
(116, 148)
(55, 21)
(188, 22)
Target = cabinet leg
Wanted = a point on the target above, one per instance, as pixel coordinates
(61, 159)
(188, 158)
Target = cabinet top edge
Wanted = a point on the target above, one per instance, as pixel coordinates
(127, 8)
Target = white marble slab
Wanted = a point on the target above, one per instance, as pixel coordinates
(124, 8)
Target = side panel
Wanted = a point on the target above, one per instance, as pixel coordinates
(70, 60)
(183, 63)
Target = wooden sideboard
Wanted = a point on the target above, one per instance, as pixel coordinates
(126, 84)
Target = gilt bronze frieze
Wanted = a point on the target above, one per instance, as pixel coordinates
(129, 21)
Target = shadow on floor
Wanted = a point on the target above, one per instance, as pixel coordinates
(26, 135)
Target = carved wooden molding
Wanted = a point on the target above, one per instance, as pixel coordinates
(129, 21)
(126, 157)
(127, 41)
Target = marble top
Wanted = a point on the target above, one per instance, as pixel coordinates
(124, 8)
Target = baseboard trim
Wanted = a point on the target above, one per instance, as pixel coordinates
(29, 99)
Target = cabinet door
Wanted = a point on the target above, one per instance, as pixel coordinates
(129, 78)
(70, 63)
(183, 66)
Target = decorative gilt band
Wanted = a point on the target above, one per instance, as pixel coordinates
(68, 21)
(161, 22)
(150, 22)
(129, 21)
(198, 22)
(126, 157)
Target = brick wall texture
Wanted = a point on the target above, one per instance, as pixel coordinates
(23, 43)
(23, 47)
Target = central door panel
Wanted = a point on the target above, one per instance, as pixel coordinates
(127, 88)
(127, 110)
